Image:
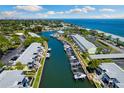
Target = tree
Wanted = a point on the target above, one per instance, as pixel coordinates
(15, 39)
(99, 50)
(118, 41)
(5, 44)
(109, 37)
(94, 64)
(85, 55)
(37, 29)
(30, 40)
(1, 64)
(1, 53)
(19, 66)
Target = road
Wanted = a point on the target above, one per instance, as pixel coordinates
(118, 49)
(5, 59)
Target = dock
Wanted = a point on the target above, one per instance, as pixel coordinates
(76, 68)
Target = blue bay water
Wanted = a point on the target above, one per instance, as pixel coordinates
(114, 26)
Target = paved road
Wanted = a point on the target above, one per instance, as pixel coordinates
(118, 49)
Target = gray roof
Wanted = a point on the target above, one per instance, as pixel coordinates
(114, 71)
(83, 42)
(28, 55)
(107, 56)
(33, 34)
(10, 78)
(120, 85)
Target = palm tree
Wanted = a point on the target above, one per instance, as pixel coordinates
(94, 64)
(85, 55)
(118, 41)
(109, 37)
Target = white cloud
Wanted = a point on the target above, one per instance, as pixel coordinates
(61, 12)
(105, 16)
(106, 10)
(114, 15)
(51, 12)
(10, 14)
(74, 11)
(31, 8)
(87, 9)
(40, 15)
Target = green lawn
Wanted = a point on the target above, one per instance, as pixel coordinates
(39, 73)
(97, 85)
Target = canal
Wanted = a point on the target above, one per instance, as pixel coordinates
(57, 71)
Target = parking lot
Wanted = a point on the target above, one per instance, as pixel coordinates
(12, 55)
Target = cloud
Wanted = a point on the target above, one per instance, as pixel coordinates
(40, 15)
(51, 12)
(31, 8)
(106, 10)
(114, 16)
(74, 11)
(8, 13)
(87, 9)
(61, 12)
(106, 16)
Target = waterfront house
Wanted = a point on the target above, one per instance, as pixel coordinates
(111, 75)
(84, 44)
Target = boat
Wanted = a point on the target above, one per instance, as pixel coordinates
(79, 75)
(49, 49)
(48, 55)
(74, 62)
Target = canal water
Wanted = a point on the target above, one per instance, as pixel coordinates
(57, 71)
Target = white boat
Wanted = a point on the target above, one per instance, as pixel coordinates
(79, 75)
(48, 55)
(49, 49)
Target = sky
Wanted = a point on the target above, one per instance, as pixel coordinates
(62, 11)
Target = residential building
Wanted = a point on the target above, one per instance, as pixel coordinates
(13, 79)
(32, 55)
(111, 74)
(84, 44)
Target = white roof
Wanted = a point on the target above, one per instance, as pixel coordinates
(28, 55)
(33, 34)
(114, 71)
(60, 31)
(10, 78)
(83, 42)
(106, 56)
(19, 34)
